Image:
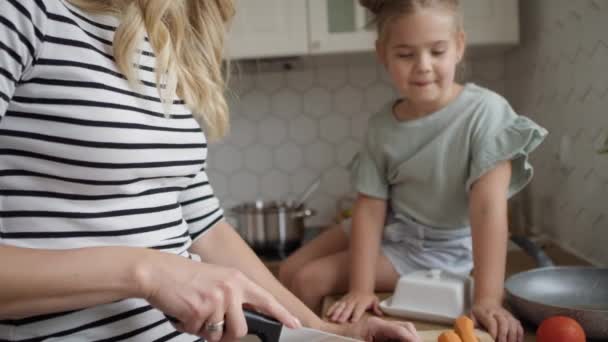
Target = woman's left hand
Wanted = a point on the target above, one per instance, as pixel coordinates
(501, 325)
(374, 329)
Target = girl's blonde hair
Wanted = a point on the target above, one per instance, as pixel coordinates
(188, 40)
(385, 11)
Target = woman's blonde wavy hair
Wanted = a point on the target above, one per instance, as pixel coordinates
(188, 40)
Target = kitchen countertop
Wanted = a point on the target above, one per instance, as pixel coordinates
(517, 261)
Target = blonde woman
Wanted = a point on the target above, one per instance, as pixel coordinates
(105, 207)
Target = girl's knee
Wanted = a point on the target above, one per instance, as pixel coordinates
(286, 271)
(308, 282)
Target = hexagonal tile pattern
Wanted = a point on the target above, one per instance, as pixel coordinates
(242, 133)
(240, 82)
(378, 96)
(334, 129)
(219, 183)
(358, 127)
(336, 181)
(272, 131)
(346, 151)
(275, 185)
(319, 155)
(332, 78)
(286, 104)
(270, 82)
(303, 130)
(362, 75)
(300, 80)
(226, 158)
(300, 181)
(289, 157)
(258, 159)
(255, 105)
(243, 186)
(317, 102)
(349, 101)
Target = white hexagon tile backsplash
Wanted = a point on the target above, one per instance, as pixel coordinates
(290, 127)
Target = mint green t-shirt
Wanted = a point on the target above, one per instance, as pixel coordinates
(425, 167)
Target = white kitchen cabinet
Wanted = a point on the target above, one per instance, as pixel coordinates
(268, 28)
(275, 28)
(343, 25)
(339, 26)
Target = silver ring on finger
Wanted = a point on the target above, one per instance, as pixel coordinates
(215, 327)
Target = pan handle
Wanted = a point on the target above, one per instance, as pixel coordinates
(541, 258)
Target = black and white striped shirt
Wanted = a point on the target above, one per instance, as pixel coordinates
(85, 160)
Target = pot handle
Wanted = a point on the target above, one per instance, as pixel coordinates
(541, 258)
(304, 213)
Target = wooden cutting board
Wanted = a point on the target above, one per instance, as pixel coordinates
(309, 335)
(433, 335)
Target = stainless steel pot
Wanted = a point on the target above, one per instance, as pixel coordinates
(271, 229)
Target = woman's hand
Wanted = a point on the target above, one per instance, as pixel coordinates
(352, 306)
(199, 295)
(498, 322)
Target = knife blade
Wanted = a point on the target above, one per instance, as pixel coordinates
(268, 329)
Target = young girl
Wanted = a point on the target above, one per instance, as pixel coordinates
(433, 177)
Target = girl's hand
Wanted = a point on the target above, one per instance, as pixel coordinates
(352, 306)
(374, 329)
(199, 294)
(498, 322)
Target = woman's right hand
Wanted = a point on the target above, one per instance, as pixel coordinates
(197, 294)
(352, 306)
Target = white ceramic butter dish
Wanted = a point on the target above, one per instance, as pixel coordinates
(432, 295)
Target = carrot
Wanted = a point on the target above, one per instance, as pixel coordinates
(449, 336)
(464, 327)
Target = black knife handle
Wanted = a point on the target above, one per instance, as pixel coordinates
(264, 327)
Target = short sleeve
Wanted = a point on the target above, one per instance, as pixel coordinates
(200, 208)
(21, 35)
(505, 136)
(368, 170)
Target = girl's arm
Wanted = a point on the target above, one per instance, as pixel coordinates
(488, 215)
(369, 215)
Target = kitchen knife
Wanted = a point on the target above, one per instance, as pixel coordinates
(268, 329)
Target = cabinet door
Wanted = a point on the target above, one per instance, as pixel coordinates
(268, 28)
(339, 26)
(491, 22)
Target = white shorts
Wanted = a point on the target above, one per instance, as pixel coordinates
(411, 246)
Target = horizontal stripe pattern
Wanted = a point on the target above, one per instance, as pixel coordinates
(87, 160)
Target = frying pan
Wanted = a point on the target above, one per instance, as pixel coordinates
(579, 292)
